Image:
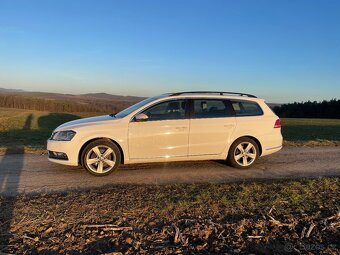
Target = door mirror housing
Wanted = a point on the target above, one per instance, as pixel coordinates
(141, 117)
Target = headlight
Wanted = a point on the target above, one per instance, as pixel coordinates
(66, 135)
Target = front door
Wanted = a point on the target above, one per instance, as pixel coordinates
(164, 134)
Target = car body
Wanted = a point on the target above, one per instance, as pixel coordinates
(171, 127)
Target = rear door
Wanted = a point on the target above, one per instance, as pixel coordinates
(211, 125)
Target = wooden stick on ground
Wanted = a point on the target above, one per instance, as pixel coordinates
(310, 229)
(255, 237)
(108, 227)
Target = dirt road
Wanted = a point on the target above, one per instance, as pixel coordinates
(27, 173)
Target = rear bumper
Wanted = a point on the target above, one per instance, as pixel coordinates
(271, 150)
(67, 147)
(271, 143)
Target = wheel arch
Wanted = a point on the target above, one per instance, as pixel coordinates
(99, 138)
(251, 137)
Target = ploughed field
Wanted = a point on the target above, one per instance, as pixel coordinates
(22, 130)
(267, 217)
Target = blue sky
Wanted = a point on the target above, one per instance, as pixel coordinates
(282, 51)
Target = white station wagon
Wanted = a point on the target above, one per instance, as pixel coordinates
(200, 125)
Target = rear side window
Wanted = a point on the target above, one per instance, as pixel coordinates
(246, 108)
(211, 108)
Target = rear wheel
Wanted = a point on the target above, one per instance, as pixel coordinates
(243, 153)
(101, 157)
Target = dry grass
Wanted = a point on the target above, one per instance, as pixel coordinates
(311, 143)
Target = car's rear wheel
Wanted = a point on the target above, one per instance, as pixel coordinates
(243, 153)
(101, 157)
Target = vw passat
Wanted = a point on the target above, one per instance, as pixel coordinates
(235, 127)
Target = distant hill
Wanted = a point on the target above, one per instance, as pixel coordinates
(112, 97)
(58, 102)
(51, 95)
(3, 90)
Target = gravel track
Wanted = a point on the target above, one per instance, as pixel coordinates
(29, 173)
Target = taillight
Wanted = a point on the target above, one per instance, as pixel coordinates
(277, 123)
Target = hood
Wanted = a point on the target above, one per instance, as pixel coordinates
(85, 122)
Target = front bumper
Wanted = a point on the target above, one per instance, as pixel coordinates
(57, 155)
(68, 147)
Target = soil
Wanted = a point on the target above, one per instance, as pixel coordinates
(270, 217)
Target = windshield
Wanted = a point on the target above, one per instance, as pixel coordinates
(135, 107)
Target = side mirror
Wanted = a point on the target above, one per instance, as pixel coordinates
(141, 117)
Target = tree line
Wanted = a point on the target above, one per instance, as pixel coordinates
(325, 109)
(51, 105)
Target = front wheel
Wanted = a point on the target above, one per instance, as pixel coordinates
(243, 153)
(101, 157)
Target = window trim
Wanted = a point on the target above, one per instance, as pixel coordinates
(247, 115)
(225, 101)
(186, 114)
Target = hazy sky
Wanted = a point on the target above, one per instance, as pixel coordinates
(280, 50)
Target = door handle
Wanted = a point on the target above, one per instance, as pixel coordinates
(181, 128)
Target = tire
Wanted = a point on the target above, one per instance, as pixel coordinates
(101, 157)
(243, 153)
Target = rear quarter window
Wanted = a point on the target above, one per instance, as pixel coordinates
(246, 108)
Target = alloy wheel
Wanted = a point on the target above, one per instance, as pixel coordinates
(245, 154)
(101, 159)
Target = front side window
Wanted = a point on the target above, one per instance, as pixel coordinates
(135, 107)
(246, 108)
(211, 108)
(169, 110)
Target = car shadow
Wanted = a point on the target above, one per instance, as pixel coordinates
(7, 179)
(10, 176)
(174, 164)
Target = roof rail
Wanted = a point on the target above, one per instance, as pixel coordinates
(212, 92)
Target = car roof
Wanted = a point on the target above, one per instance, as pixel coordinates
(212, 94)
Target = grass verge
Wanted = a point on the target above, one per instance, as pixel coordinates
(270, 217)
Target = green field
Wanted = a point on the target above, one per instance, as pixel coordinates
(28, 128)
(311, 129)
(21, 128)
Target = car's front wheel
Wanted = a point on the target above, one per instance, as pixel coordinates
(101, 157)
(243, 153)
